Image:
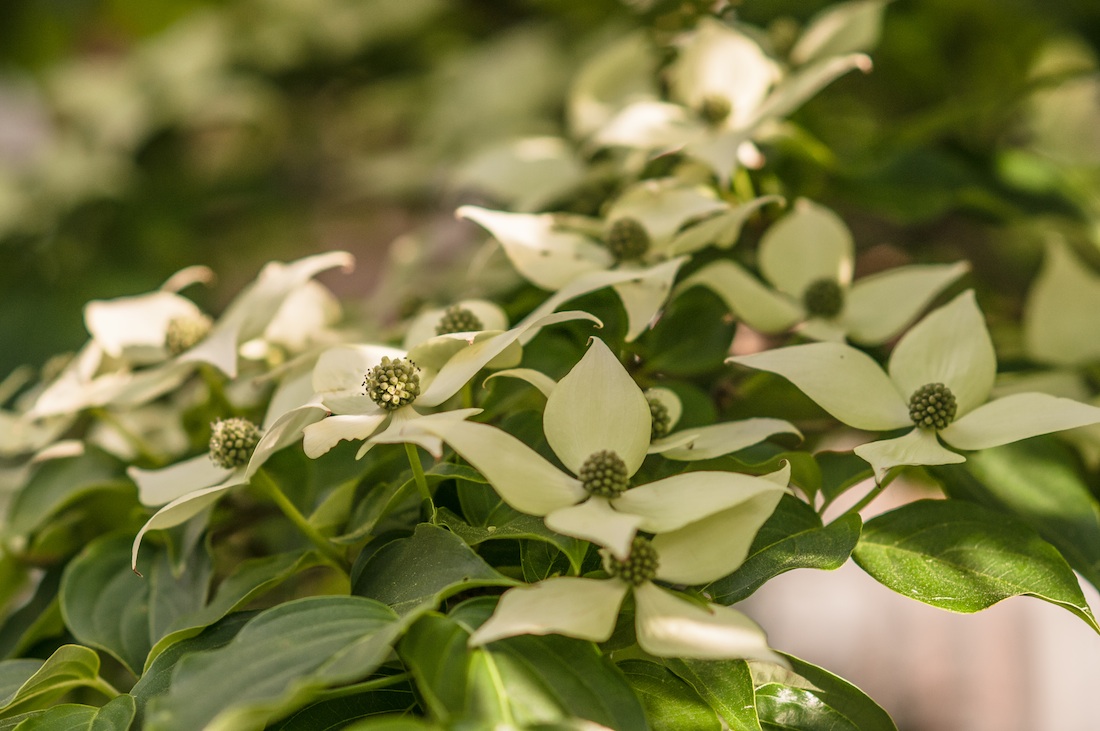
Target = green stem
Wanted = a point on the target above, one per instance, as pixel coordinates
(102, 686)
(874, 493)
(365, 687)
(264, 481)
(421, 480)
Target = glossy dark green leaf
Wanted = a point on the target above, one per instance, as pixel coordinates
(28, 685)
(960, 556)
(337, 713)
(726, 686)
(840, 471)
(61, 482)
(670, 703)
(515, 525)
(540, 560)
(678, 346)
(808, 698)
(416, 573)
(276, 664)
(1039, 482)
(792, 538)
(38, 618)
(116, 715)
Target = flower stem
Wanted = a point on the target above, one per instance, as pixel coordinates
(421, 481)
(874, 493)
(264, 481)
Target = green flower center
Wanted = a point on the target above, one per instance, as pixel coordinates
(604, 474)
(458, 320)
(639, 567)
(932, 406)
(232, 442)
(393, 383)
(823, 298)
(185, 332)
(714, 109)
(627, 239)
(659, 418)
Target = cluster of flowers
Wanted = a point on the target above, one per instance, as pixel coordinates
(725, 96)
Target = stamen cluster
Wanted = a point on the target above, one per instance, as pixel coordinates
(627, 239)
(393, 383)
(714, 109)
(639, 567)
(184, 333)
(659, 419)
(932, 406)
(232, 442)
(458, 319)
(823, 298)
(604, 474)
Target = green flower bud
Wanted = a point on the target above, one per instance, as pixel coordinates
(393, 383)
(604, 474)
(823, 298)
(639, 567)
(715, 109)
(458, 320)
(627, 239)
(660, 420)
(232, 442)
(185, 332)
(932, 406)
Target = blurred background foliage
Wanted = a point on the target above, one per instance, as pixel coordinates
(137, 138)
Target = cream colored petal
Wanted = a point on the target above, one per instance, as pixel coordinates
(325, 434)
(809, 244)
(880, 306)
(1060, 314)
(135, 327)
(521, 477)
(343, 368)
(548, 257)
(663, 206)
(1017, 417)
(302, 317)
(708, 549)
(839, 29)
(759, 307)
(187, 276)
(596, 521)
(571, 606)
(407, 428)
(544, 383)
(650, 125)
(158, 487)
(918, 447)
(668, 626)
(667, 398)
(623, 70)
(721, 230)
(674, 502)
(716, 440)
(723, 152)
(950, 345)
(840, 379)
(423, 326)
(800, 86)
(597, 406)
(284, 431)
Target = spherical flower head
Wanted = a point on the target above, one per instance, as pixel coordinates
(932, 406)
(639, 567)
(823, 298)
(184, 333)
(232, 442)
(660, 419)
(604, 474)
(627, 239)
(715, 109)
(393, 383)
(457, 319)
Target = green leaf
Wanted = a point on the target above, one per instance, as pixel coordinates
(30, 684)
(417, 573)
(277, 663)
(514, 524)
(792, 538)
(960, 556)
(58, 483)
(670, 703)
(726, 686)
(336, 713)
(116, 715)
(1037, 481)
(840, 471)
(677, 345)
(808, 698)
(540, 561)
(39, 618)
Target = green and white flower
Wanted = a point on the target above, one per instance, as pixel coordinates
(807, 256)
(645, 236)
(666, 625)
(365, 386)
(597, 422)
(938, 381)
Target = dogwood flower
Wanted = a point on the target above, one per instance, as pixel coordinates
(726, 91)
(645, 235)
(665, 624)
(364, 386)
(807, 256)
(938, 381)
(597, 422)
(168, 333)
